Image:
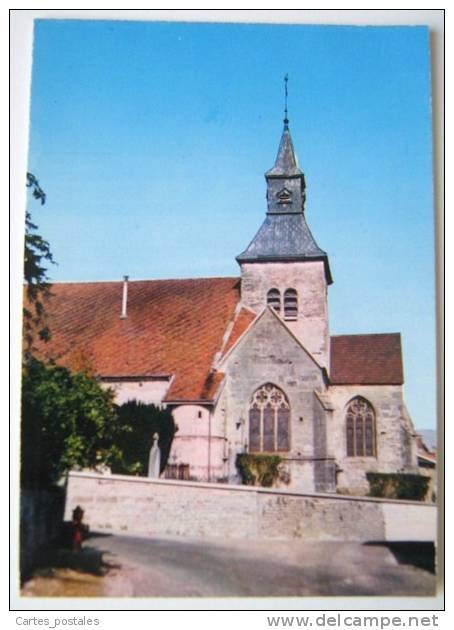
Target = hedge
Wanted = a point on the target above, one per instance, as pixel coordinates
(398, 485)
(258, 470)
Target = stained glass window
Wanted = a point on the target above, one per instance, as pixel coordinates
(254, 428)
(369, 435)
(269, 420)
(350, 435)
(360, 428)
(283, 428)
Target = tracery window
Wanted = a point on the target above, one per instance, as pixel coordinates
(273, 299)
(290, 304)
(269, 420)
(360, 420)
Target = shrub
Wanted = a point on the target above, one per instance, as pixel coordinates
(258, 470)
(139, 422)
(398, 485)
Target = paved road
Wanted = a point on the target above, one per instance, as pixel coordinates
(142, 567)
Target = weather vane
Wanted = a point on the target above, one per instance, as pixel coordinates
(286, 95)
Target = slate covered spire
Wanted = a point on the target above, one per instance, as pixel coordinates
(286, 186)
(286, 162)
(284, 235)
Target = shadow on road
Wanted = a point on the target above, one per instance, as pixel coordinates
(88, 560)
(418, 554)
(67, 573)
(61, 555)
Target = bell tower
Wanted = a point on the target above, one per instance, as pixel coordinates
(283, 267)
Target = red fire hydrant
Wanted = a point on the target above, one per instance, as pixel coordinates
(78, 528)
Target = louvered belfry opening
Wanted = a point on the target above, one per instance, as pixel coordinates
(273, 299)
(269, 420)
(360, 419)
(290, 304)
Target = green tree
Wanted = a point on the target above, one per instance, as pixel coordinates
(68, 422)
(68, 419)
(139, 422)
(37, 287)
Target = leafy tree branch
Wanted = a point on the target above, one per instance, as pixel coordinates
(37, 290)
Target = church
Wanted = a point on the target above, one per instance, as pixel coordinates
(247, 364)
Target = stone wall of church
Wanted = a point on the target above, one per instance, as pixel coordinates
(269, 354)
(394, 435)
(199, 442)
(324, 467)
(146, 391)
(308, 278)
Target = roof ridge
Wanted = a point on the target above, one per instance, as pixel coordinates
(120, 281)
(365, 334)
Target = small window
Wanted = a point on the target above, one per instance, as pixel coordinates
(290, 304)
(273, 299)
(177, 471)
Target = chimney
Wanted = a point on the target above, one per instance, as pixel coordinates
(124, 303)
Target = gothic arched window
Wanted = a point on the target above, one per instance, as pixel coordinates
(269, 420)
(290, 304)
(360, 421)
(273, 299)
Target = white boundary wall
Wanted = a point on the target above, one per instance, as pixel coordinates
(155, 507)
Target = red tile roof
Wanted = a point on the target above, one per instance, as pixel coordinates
(424, 451)
(366, 360)
(176, 328)
(173, 327)
(242, 321)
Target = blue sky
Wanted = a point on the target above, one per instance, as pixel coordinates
(151, 141)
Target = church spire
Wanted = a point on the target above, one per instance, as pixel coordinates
(286, 164)
(285, 235)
